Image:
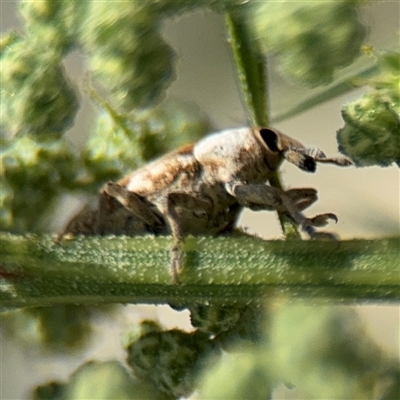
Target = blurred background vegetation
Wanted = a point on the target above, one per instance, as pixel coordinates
(162, 75)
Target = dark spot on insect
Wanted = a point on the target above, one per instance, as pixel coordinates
(270, 139)
(308, 164)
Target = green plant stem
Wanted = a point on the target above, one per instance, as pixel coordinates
(119, 120)
(37, 271)
(250, 66)
(288, 228)
(340, 87)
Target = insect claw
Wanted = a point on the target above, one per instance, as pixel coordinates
(307, 228)
(319, 220)
(334, 217)
(322, 219)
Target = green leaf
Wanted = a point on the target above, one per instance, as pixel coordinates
(310, 39)
(250, 67)
(107, 380)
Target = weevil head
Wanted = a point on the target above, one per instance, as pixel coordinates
(278, 147)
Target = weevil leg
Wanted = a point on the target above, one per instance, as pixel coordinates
(231, 217)
(177, 256)
(85, 222)
(92, 220)
(132, 202)
(259, 196)
(263, 197)
(188, 202)
(322, 219)
(302, 198)
(108, 220)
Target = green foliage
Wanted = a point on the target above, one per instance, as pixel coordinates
(388, 81)
(371, 135)
(49, 391)
(103, 381)
(171, 360)
(319, 351)
(324, 352)
(127, 52)
(34, 170)
(311, 39)
(62, 328)
(98, 380)
(213, 317)
(240, 375)
(53, 24)
(130, 59)
(36, 96)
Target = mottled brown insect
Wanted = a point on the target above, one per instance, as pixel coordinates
(202, 188)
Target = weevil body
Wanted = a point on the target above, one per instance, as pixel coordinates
(202, 188)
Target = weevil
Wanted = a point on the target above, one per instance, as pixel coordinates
(202, 188)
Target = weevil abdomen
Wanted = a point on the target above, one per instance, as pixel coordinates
(176, 169)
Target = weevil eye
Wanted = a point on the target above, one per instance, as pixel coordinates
(270, 138)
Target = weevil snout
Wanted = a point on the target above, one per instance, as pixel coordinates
(302, 161)
(283, 146)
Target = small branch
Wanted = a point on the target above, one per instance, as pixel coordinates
(288, 228)
(36, 271)
(338, 88)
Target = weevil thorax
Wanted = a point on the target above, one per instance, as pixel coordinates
(244, 154)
